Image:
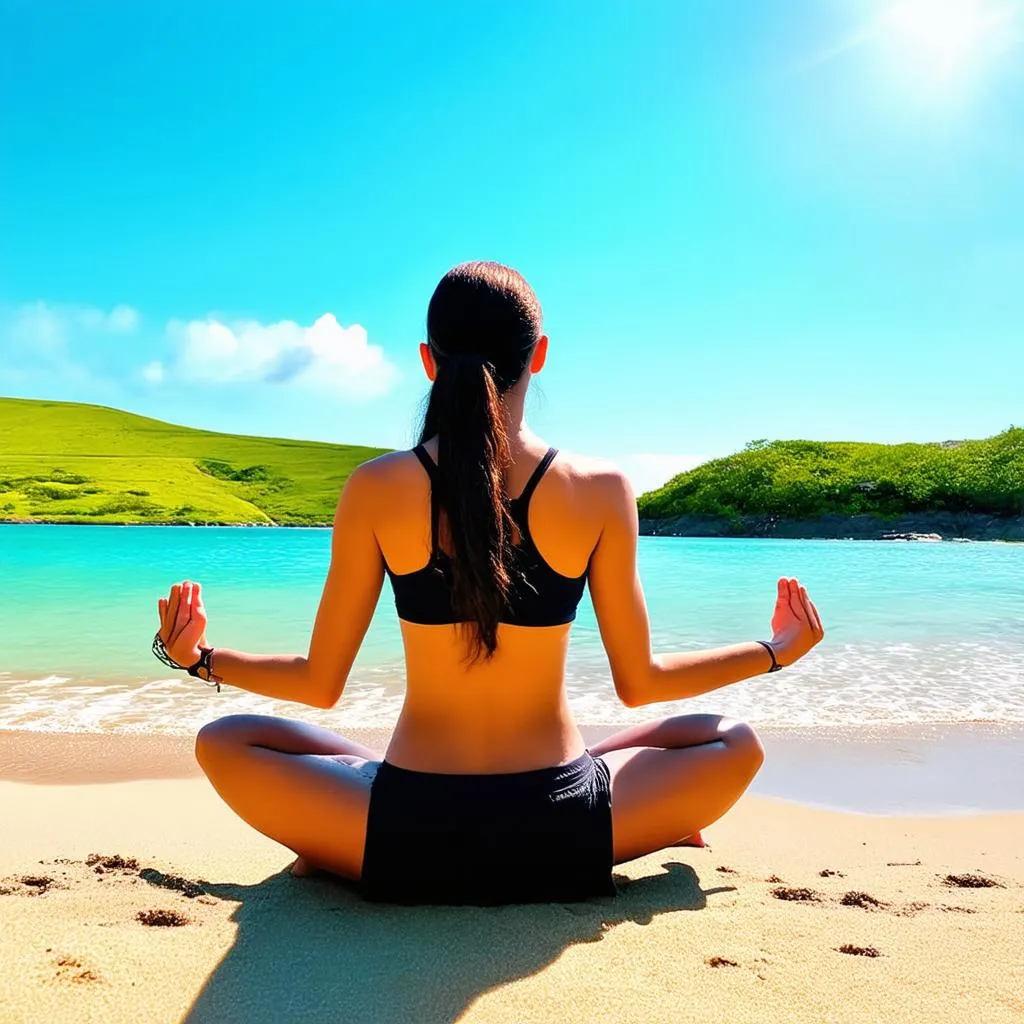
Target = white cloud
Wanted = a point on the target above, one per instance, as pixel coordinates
(649, 470)
(123, 319)
(47, 328)
(323, 356)
(39, 327)
(57, 344)
(153, 372)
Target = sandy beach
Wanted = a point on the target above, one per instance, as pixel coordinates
(145, 900)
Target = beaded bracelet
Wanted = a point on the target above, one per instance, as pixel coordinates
(205, 655)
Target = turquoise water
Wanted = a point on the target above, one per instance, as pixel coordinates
(917, 633)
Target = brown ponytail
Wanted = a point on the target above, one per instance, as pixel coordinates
(482, 325)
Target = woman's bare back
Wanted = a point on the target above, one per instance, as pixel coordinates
(509, 713)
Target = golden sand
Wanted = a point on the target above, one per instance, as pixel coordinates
(188, 915)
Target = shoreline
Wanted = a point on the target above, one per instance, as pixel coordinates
(919, 528)
(185, 525)
(947, 771)
(912, 526)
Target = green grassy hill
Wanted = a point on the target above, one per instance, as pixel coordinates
(806, 479)
(65, 462)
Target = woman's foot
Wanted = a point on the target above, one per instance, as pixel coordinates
(302, 868)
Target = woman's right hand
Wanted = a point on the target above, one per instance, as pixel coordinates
(183, 623)
(796, 625)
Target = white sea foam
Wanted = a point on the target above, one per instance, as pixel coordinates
(845, 685)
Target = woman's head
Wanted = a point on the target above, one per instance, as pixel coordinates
(486, 311)
(483, 334)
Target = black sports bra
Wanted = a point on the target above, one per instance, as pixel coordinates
(540, 596)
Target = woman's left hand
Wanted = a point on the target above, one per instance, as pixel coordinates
(183, 623)
(796, 624)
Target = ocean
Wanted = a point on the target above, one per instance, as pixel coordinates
(917, 633)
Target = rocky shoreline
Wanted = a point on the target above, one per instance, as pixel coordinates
(925, 526)
(935, 526)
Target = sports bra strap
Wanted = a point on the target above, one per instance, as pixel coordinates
(435, 509)
(531, 484)
(435, 512)
(428, 463)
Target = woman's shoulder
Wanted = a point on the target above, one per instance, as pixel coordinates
(379, 477)
(386, 466)
(592, 470)
(594, 489)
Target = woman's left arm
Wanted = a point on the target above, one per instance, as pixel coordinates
(349, 598)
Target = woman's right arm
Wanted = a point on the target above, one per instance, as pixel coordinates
(642, 677)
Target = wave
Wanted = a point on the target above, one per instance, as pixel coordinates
(847, 685)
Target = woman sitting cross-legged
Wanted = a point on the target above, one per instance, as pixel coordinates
(487, 793)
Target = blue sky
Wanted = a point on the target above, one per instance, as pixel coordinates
(788, 218)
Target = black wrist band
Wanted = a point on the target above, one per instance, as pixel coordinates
(206, 653)
(205, 661)
(776, 667)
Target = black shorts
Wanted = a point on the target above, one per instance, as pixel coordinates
(523, 837)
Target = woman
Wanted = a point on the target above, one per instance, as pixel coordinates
(487, 792)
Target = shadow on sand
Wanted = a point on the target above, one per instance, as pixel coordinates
(313, 951)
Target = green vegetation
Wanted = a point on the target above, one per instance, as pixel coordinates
(65, 462)
(806, 479)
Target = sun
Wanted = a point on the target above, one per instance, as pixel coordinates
(944, 35)
(945, 51)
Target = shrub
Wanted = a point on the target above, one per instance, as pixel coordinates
(804, 479)
(50, 492)
(126, 503)
(64, 477)
(225, 471)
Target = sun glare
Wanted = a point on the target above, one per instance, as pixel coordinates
(944, 35)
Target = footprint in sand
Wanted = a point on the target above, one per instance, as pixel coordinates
(720, 961)
(161, 918)
(910, 909)
(113, 869)
(972, 881)
(29, 885)
(797, 895)
(71, 969)
(101, 863)
(863, 900)
(122, 867)
(858, 950)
